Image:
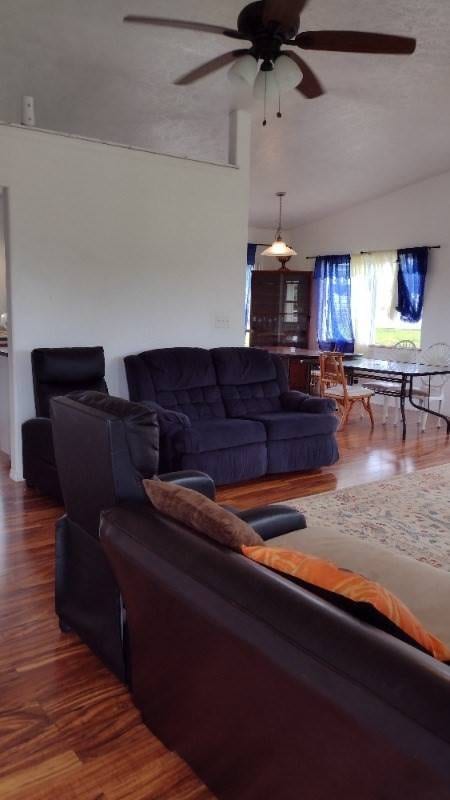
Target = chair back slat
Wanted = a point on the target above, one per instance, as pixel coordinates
(332, 372)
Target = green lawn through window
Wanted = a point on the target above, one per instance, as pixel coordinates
(388, 337)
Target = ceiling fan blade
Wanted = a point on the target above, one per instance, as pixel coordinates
(183, 24)
(309, 86)
(284, 12)
(209, 67)
(356, 42)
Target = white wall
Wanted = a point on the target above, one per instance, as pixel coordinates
(118, 247)
(417, 215)
(3, 304)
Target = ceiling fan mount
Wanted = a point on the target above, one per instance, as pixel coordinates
(253, 25)
(269, 25)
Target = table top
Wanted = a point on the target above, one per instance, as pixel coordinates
(358, 362)
(300, 352)
(396, 367)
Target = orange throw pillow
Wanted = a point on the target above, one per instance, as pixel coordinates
(327, 576)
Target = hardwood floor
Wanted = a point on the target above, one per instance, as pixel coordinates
(68, 728)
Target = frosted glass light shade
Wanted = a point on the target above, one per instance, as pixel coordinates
(287, 74)
(279, 248)
(266, 84)
(243, 72)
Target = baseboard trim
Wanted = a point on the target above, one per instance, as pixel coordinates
(16, 476)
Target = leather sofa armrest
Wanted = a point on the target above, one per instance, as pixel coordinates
(37, 422)
(192, 479)
(270, 521)
(37, 430)
(167, 419)
(298, 401)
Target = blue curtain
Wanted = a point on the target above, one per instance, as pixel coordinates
(251, 255)
(334, 328)
(412, 272)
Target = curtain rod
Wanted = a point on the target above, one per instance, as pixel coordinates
(427, 246)
(369, 252)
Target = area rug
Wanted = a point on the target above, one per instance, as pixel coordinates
(410, 513)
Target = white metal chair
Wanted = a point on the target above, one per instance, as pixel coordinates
(404, 351)
(439, 355)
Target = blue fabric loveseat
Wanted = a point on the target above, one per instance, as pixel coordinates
(228, 412)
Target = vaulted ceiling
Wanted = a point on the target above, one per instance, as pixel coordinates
(383, 123)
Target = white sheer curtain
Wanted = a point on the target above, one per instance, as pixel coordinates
(374, 288)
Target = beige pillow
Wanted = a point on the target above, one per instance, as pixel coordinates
(202, 514)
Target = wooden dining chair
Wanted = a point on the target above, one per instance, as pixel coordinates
(333, 384)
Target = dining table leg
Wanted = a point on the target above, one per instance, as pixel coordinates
(402, 403)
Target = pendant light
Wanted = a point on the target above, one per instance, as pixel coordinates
(279, 249)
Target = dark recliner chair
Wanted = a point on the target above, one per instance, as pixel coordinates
(104, 447)
(56, 371)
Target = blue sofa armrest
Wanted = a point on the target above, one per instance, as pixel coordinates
(298, 401)
(167, 419)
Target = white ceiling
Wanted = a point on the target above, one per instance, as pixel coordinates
(384, 123)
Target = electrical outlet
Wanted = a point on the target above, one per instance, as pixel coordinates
(221, 321)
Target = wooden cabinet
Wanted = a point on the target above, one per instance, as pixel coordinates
(280, 308)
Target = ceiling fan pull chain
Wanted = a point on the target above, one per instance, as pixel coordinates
(279, 114)
(265, 100)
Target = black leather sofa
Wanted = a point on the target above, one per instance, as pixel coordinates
(265, 689)
(56, 371)
(104, 447)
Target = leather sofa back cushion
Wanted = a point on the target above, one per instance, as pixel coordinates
(184, 379)
(365, 599)
(140, 426)
(251, 380)
(62, 370)
(68, 364)
(202, 514)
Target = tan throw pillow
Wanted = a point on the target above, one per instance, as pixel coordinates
(202, 514)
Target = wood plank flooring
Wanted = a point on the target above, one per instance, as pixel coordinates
(68, 728)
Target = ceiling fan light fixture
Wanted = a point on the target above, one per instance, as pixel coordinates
(243, 71)
(288, 75)
(266, 86)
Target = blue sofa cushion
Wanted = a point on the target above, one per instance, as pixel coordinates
(251, 380)
(184, 379)
(296, 425)
(219, 434)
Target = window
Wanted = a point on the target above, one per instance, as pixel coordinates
(374, 299)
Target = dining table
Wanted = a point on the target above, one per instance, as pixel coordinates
(402, 374)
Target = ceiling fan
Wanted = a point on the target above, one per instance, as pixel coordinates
(271, 24)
